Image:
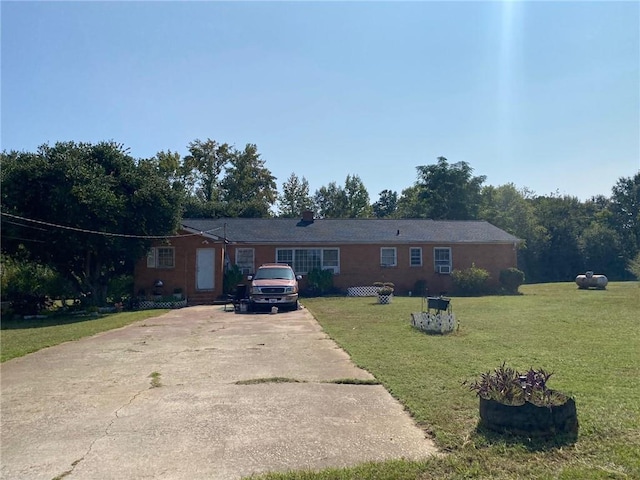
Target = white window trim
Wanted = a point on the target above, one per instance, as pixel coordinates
(410, 256)
(437, 263)
(153, 255)
(151, 258)
(395, 257)
(253, 261)
(334, 268)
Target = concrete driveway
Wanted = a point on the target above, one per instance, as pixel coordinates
(160, 399)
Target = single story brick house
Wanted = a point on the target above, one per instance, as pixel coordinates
(358, 251)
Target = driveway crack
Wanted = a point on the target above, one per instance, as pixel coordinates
(75, 463)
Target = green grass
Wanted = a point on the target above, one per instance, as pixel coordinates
(156, 382)
(354, 381)
(589, 339)
(20, 337)
(257, 381)
(343, 381)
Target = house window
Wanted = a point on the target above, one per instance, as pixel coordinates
(415, 256)
(245, 260)
(331, 260)
(388, 257)
(442, 259)
(284, 256)
(161, 257)
(305, 260)
(302, 260)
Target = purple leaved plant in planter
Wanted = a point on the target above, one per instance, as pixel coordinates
(522, 404)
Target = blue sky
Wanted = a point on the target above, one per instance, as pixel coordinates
(545, 95)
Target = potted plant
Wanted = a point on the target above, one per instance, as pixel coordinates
(522, 404)
(177, 293)
(385, 291)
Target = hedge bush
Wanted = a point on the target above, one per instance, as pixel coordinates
(511, 279)
(31, 287)
(319, 282)
(472, 281)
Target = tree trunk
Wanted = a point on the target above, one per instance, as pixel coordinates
(92, 279)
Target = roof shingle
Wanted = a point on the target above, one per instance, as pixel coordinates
(349, 231)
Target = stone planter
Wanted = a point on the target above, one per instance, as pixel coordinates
(529, 419)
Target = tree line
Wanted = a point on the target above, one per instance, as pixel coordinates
(114, 205)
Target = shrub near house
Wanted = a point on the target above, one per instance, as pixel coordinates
(511, 279)
(319, 282)
(471, 281)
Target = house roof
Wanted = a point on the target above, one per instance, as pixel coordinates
(287, 231)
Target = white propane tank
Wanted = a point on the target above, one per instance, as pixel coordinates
(589, 280)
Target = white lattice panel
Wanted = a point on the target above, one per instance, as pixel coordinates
(441, 322)
(150, 304)
(366, 291)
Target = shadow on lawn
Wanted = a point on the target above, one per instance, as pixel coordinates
(532, 444)
(48, 321)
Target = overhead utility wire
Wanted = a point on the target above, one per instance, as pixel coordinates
(26, 239)
(26, 226)
(95, 232)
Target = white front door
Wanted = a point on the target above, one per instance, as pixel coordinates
(205, 263)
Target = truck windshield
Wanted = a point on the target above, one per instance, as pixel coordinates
(274, 273)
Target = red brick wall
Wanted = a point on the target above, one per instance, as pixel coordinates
(359, 265)
(183, 275)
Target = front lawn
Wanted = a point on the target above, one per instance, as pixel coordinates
(589, 339)
(19, 337)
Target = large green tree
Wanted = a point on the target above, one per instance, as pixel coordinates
(330, 201)
(512, 210)
(508, 208)
(563, 220)
(248, 188)
(358, 204)
(84, 209)
(386, 205)
(203, 167)
(443, 191)
(336, 201)
(222, 181)
(601, 250)
(625, 209)
(295, 197)
(170, 165)
(410, 205)
(450, 191)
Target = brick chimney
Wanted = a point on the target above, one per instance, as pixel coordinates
(307, 216)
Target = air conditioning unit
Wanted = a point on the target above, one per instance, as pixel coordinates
(444, 268)
(335, 270)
